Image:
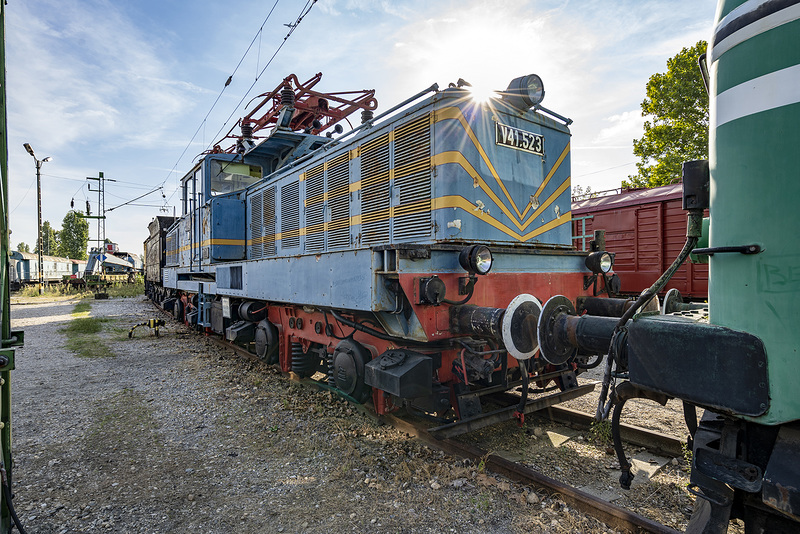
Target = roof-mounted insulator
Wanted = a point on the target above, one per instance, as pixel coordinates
(287, 96)
(366, 115)
(247, 131)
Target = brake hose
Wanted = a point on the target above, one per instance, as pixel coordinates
(693, 232)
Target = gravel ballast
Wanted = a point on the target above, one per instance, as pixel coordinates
(175, 434)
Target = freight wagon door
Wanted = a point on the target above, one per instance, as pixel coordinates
(633, 234)
(227, 238)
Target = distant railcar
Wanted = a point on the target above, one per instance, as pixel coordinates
(645, 229)
(54, 268)
(155, 257)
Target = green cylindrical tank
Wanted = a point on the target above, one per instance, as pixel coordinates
(754, 156)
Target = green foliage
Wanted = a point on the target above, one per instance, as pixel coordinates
(677, 125)
(23, 247)
(49, 240)
(687, 453)
(49, 291)
(600, 432)
(74, 236)
(581, 193)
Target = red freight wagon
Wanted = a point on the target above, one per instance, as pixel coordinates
(646, 228)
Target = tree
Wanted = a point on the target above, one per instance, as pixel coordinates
(677, 131)
(23, 247)
(49, 240)
(581, 193)
(74, 236)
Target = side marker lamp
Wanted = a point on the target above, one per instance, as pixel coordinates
(599, 262)
(476, 259)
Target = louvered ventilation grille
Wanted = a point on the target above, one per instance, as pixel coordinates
(172, 248)
(412, 180)
(315, 209)
(339, 202)
(256, 249)
(290, 215)
(268, 213)
(375, 191)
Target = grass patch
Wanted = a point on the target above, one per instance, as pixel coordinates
(85, 325)
(82, 309)
(83, 337)
(126, 290)
(58, 290)
(49, 291)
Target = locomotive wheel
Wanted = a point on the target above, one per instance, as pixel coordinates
(267, 342)
(349, 359)
(177, 310)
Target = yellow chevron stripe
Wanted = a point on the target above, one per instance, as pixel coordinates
(459, 159)
(549, 175)
(544, 205)
(455, 113)
(455, 201)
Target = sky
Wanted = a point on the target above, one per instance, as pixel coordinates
(136, 90)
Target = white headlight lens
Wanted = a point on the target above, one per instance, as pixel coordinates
(525, 91)
(599, 262)
(482, 260)
(535, 89)
(606, 262)
(476, 259)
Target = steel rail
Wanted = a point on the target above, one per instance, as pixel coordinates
(612, 515)
(635, 435)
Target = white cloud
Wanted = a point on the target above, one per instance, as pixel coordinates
(101, 79)
(624, 128)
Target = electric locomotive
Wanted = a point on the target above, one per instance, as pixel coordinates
(736, 358)
(402, 260)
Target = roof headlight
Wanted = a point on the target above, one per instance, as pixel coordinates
(476, 259)
(599, 262)
(525, 91)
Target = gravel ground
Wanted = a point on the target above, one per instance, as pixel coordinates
(173, 434)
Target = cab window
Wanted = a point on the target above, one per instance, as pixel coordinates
(228, 176)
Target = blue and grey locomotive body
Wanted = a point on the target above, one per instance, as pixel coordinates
(439, 227)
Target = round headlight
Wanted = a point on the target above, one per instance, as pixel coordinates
(526, 90)
(476, 259)
(599, 262)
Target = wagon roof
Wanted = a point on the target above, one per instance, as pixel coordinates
(629, 198)
(34, 256)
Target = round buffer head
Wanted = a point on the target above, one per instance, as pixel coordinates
(519, 326)
(671, 301)
(550, 332)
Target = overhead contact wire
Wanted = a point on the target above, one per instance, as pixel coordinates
(292, 27)
(227, 83)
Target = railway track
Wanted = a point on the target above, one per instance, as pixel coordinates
(612, 515)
